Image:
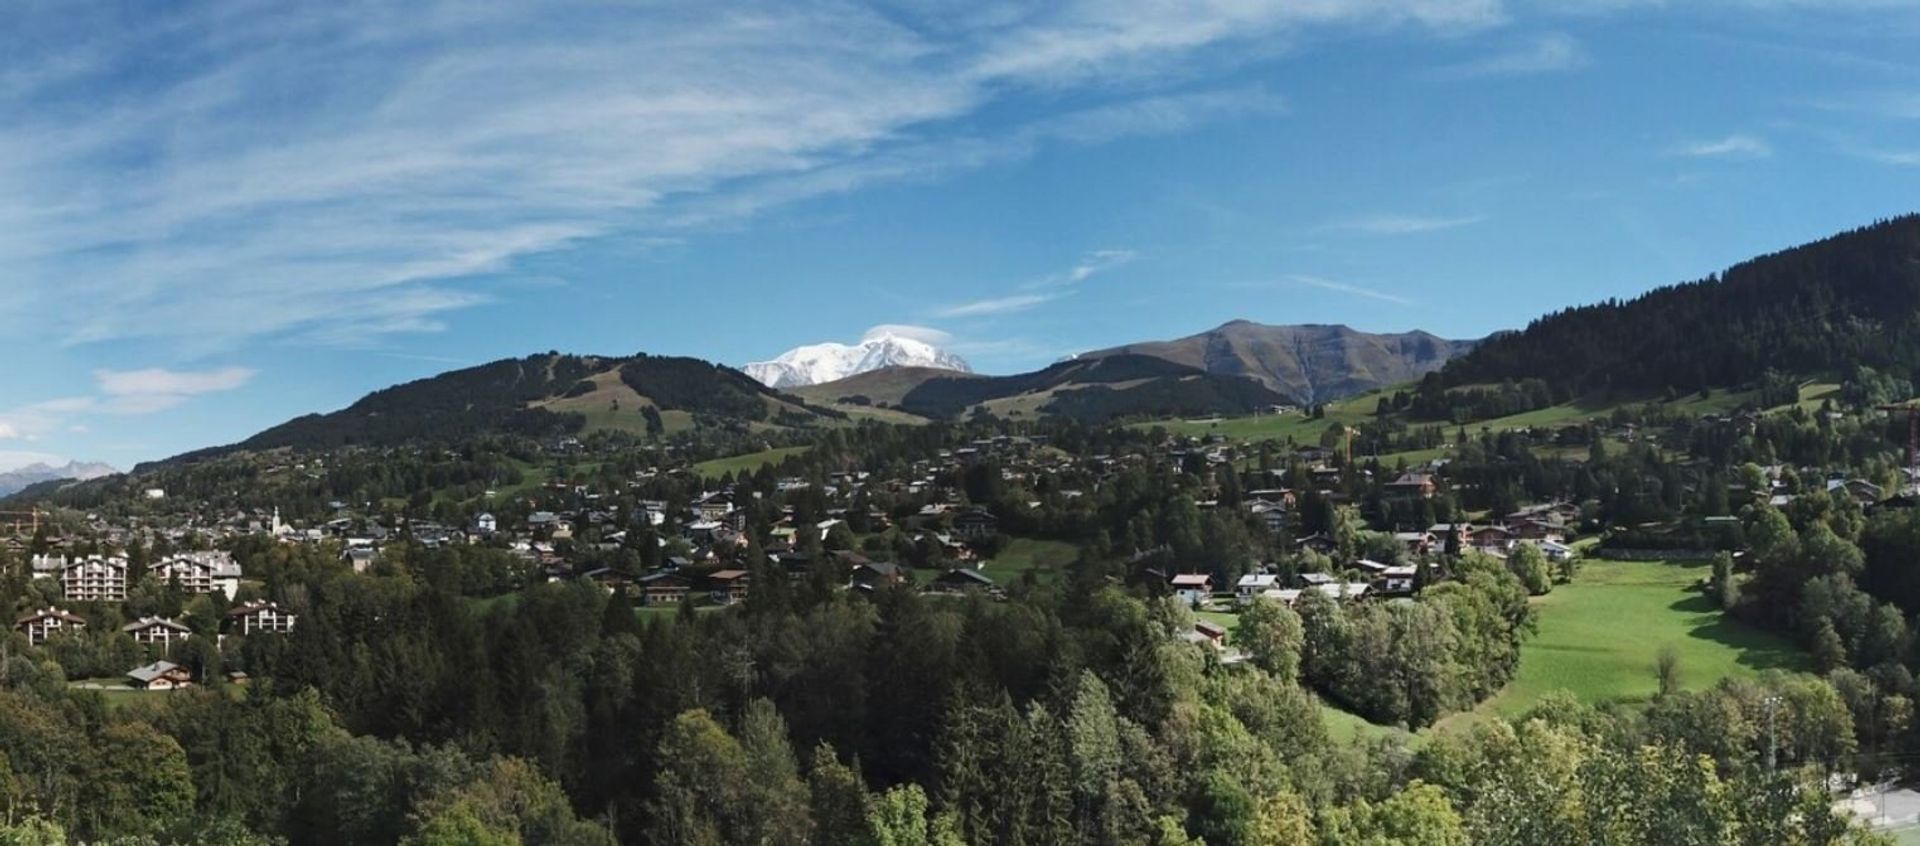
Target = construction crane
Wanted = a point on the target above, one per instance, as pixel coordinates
(1913, 438)
(24, 521)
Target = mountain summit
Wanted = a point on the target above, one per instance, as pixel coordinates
(820, 363)
(1313, 363)
(13, 481)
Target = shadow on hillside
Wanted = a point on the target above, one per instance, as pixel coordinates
(1756, 649)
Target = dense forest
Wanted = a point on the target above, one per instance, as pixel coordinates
(1100, 389)
(1847, 301)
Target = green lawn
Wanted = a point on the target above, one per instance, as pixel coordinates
(1044, 558)
(1600, 637)
(1225, 619)
(747, 463)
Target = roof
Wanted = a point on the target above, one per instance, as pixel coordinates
(1258, 580)
(974, 576)
(45, 613)
(152, 671)
(152, 622)
(1210, 629)
(728, 575)
(1192, 579)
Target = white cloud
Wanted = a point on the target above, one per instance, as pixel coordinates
(162, 382)
(1899, 158)
(1731, 147)
(243, 195)
(1549, 53)
(123, 393)
(996, 305)
(1401, 224)
(1346, 288)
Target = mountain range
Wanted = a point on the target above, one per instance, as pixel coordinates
(815, 364)
(1311, 363)
(14, 481)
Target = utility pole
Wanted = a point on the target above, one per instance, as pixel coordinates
(1913, 439)
(1773, 705)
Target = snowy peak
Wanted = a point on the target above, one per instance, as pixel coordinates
(13, 481)
(815, 364)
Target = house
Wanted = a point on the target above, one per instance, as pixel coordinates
(485, 524)
(1411, 486)
(47, 622)
(1554, 550)
(976, 524)
(1195, 589)
(729, 586)
(260, 617)
(1862, 491)
(156, 631)
(1491, 539)
(161, 675)
(1272, 515)
(667, 588)
(1399, 580)
(1254, 584)
(960, 580)
(876, 575)
(201, 572)
(1416, 543)
(359, 557)
(1320, 543)
(95, 579)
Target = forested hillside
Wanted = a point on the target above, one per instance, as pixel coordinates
(1099, 389)
(1311, 363)
(1849, 301)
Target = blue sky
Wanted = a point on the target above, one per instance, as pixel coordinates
(216, 216)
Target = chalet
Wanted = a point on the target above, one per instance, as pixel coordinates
(729, 586)
(1254, 585)
(1396, 580)
(960, 580)
(607, 579)
(1537, 530)
(1491, 539)
(47, 622)
(1554, 550)
(1317, 543)
(975, 524)
(94, 579)
(1862, 491)
(1411, 486)
(1449, 534)
(1194, 589)
(160, 675)
(360, 558)
(156, 631)
(485, 524)
(714, 507)
(260, 617)
(667, 588)
(1271, 515)
(1415, 543)
(876, 575)
(200, 572)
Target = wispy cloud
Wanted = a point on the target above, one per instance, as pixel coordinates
(1900, 158)
(241, 195)
(1735, 146)
(120, 392)
(1552, 52)
(1347, 288)
(1045, 289)
(996, 305)
(1401, 224)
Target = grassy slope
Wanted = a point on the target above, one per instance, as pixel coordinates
(1600, 636)
(1044, 558)
(747, 463)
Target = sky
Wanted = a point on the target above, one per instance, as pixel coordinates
(218, 216)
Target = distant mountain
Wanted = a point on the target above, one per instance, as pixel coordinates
(1313, 363)
(14, 481)
(1825, 308)
(1092, 390)
(820, 363)
(544, 395)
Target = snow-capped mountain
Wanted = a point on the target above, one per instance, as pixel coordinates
(13, 481)
(818, 363)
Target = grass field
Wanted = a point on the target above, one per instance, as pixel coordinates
(1044, 558)
(747, 463)
(1600, 637)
